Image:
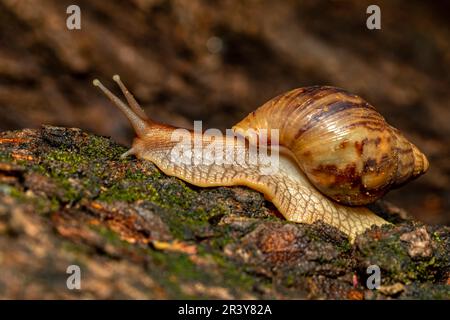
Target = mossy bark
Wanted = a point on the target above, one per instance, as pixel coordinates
(67, 198)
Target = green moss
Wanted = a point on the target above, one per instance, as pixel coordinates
(45, 205)
(220, 242)
(12, 191)
(101, 148)
(428, 291)
(71, 161)
(436, 237)
(234, 274)
(184, 225)
(344, 246)
(175, 268)
(290, 280)
(110, 236)
(172, 268)
(390, 256)
(40, 204)
(5, 156)
(85, 167)
(129, 192)
(77, 249)
(393, 258)
(79, 172)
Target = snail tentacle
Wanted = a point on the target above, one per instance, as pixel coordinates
(134, 105)
(139, 124)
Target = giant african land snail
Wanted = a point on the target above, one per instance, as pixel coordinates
(336, 154)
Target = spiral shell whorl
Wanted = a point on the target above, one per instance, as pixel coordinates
(344, 146)
(412, 162)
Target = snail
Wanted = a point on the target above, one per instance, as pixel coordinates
(336, 154)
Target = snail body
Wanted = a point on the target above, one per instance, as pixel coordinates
(336, 154)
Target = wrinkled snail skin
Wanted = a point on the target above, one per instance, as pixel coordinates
(330, 140)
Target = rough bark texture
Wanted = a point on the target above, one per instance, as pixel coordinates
(217, 61)
(67, 198)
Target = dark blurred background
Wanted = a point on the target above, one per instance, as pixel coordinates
(218, 60)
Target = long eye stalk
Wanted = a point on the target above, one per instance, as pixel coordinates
(133, 112)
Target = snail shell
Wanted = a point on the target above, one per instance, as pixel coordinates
(344, 146)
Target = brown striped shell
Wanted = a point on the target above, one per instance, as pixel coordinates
(344, 146)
